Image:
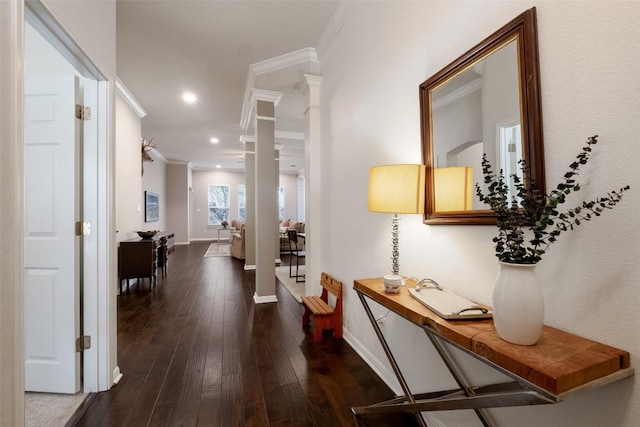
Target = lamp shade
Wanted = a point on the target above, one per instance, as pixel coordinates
(397, 189)
(454, 188)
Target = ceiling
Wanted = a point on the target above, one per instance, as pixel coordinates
(208, 47)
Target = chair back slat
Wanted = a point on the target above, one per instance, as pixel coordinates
(332, 285)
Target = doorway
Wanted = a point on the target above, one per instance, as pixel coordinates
(60, 55)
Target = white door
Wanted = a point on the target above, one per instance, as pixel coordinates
(51, 249)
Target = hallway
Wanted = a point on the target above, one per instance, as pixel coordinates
(197, 351)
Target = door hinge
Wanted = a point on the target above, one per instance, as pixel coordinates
(83, 228)
(82, 112)
(83, 343)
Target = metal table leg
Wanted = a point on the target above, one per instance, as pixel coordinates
(457, 374)
(512, 393)
(408, 396)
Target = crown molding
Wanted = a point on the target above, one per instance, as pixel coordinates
(308, 54)
(284, 134)
(458, 93)
(268, 66)
(122, 90)
(179, 162)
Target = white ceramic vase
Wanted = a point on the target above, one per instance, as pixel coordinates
(518, 306)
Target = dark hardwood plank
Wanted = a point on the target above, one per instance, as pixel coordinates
(197, 351)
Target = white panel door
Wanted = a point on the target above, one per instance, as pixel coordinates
(51, 249)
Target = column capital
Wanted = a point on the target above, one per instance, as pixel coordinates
(310, 81)
(310, 86)
(264, 95)
(256, 95)
(244, 139)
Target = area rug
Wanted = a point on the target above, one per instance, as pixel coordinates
(218, 249)
(48, 409)
(297, 290)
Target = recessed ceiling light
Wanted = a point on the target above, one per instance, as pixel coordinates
(189, 97)
(214, 140)
(218, 166)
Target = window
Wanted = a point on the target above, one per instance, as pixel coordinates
(242, 203)
(218, 204)
(281, 203)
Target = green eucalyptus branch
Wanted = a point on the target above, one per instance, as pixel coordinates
(529, 213)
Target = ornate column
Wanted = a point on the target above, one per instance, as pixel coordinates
(313, 184)
(250, 201)
(266, 196)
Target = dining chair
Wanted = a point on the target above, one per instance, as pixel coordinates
(297, 252)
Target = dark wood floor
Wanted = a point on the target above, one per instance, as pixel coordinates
(196, 350)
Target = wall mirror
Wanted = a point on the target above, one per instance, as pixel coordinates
(486, 101)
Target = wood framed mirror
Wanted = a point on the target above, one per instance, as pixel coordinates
(486, 101)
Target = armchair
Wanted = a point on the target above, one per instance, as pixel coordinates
(237, 240)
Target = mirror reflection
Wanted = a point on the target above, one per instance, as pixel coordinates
(474, 112)
(486, 101)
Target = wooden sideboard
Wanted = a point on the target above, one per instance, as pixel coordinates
(559, 365)
(141, 258)
(167, 241)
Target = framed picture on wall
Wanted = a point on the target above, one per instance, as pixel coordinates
(151, 206)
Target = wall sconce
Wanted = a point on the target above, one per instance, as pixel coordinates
(397, 189)
(453, 189)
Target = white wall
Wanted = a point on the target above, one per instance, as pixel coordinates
(177, 200)
(199, 209)
(155, 180)
(378, 55)
(93, 26)
(129, 207)
(130, 185)
(290, 184)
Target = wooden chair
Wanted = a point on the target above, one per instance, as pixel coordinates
(295, 251)
(325, 316)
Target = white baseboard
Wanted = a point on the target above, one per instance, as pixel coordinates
(181, 243)
(385, 374)
(116, 375)
(378, 367)
(262, 300)
(249, 267)
(203, 239)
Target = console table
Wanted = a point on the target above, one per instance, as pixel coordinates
(559, 365)
(167, 241)
(140, 258)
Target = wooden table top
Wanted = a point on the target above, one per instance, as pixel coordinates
(559, 362)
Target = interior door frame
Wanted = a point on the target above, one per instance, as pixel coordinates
(11, 212)
(100, 300)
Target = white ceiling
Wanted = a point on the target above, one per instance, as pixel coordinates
(207, 47)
